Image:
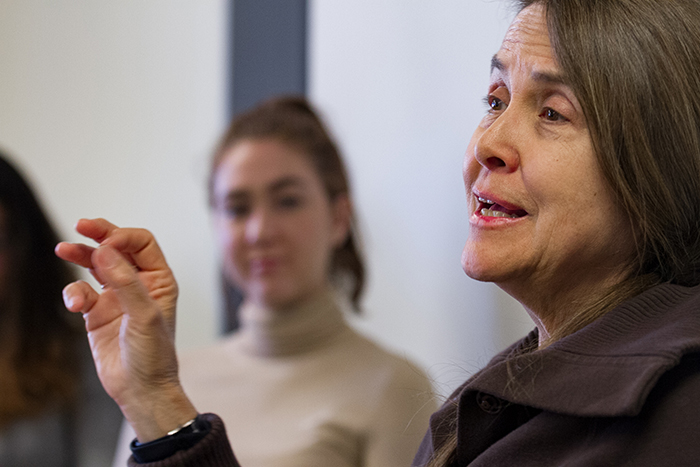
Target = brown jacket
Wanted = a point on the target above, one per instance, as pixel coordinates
(624, 391)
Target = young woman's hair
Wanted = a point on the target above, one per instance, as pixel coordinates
(293, 121)
(37, 336)
(633, 65)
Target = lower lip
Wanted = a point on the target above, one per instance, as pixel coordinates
(479, 220)
(263, 266)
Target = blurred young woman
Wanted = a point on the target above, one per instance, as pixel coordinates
(53, 411)
(296, 385)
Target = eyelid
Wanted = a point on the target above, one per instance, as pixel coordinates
(562, 118)
(496, 84)
(560, 103)
(289, 198)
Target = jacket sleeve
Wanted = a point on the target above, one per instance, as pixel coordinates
(213, 450)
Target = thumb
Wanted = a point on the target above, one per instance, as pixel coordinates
(121, 277)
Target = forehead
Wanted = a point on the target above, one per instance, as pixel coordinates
(259, 163)
(526, 43)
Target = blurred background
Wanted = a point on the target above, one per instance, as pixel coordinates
(112, 110)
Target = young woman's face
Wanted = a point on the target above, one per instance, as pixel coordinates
(544, 224)
(276, 226)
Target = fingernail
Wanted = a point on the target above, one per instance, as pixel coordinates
(67, 300)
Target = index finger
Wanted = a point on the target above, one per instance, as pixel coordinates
(78, 253)
(97, 229)
(139, 246)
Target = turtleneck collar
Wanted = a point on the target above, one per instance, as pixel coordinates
(267, 332)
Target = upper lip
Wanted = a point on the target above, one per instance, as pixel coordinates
(266, 259)
(488, 198)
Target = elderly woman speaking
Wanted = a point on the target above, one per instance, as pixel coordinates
(583, 181)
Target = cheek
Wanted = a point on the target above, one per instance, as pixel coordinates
(314, 240)
(575, 207)
(470, 165)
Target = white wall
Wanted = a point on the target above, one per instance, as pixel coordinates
(401, 82)
(112, 108)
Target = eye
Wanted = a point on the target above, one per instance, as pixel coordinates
(235, 210)
(289, 201)
(552, 115)
(494, 103)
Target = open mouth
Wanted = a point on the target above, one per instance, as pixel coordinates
(488, 208)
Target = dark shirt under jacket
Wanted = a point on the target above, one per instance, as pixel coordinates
(624, 391)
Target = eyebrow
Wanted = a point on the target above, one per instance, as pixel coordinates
(539, 76)
(285, 182)
(277, 185)
(497, 64)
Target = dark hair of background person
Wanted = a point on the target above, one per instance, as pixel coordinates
(38, 339)
(292, 121)
(633, 65)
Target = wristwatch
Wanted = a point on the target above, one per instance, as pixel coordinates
(183, 437)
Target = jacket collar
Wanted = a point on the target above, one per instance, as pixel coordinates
(607, 368)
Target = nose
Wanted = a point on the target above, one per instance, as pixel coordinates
(259, 228)
(496, 147)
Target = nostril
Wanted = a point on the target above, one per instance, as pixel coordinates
(496, 153)
(495, 162)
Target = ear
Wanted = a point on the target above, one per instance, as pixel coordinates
(342, 215)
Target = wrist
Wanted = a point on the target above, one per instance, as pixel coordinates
(158, 413)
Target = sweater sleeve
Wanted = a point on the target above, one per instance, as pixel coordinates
(213, 450)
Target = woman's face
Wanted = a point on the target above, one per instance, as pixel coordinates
(544, 224)
(276, 226)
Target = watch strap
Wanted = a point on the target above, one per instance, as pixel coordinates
(183, 437)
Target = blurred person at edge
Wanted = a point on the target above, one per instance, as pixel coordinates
(295, 385)
(583, 190)
(53, 411)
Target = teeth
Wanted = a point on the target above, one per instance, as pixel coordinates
(489, 213)
(484, 200)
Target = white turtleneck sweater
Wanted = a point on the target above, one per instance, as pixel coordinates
(300, 388)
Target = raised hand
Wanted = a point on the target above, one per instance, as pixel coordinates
(130, 324)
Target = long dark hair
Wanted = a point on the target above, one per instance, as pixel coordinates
(633, 67)
(292, 121)
(39, 337)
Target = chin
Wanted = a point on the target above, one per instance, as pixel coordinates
(478, 274)
(275, 298)
(272, 300)
(471, 264)
(483, 268)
